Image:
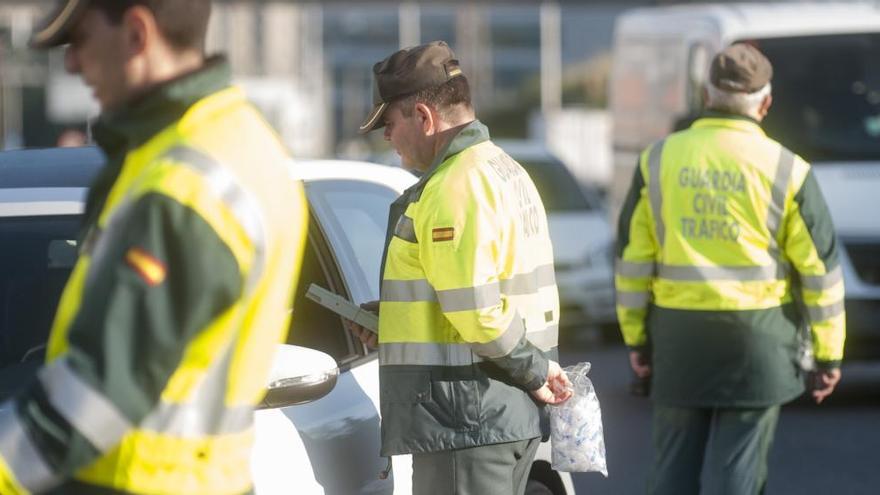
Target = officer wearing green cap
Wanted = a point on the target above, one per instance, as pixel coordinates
(469, 312)
(190, 250)
(722, 230)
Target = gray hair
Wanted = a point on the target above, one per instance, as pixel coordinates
(735, 102)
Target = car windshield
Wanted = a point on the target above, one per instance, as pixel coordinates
(36, 257)
(558, 188)
(826, 95)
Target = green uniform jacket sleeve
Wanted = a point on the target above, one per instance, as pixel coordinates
(811, 247)
(465, 272)
(636, 254)
(131, 330)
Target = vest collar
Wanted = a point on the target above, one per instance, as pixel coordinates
(470, 134)
(729, 121)
(155, 110)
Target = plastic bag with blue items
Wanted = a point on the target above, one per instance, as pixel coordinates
(576, 427)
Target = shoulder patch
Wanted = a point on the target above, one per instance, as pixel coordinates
(151, 270)
(441, 234)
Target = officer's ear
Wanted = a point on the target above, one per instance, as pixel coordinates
(426, 118)
(765, 106)
(140, 26)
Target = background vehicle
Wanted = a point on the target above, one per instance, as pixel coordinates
(326, 444)
(826, 107)
(582, 239)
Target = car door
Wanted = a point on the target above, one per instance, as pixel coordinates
(354, 216)
(37, 253)
(331, 446)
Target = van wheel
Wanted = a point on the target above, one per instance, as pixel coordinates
(535, 487)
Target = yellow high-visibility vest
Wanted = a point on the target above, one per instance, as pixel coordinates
(197, 438)
(716, 225)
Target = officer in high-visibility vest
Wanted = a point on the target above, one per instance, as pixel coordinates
(722, 231)
(164, 334)
(469, 311)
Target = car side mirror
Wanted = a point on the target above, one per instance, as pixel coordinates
(299, 375)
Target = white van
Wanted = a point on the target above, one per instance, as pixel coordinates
(826, 108)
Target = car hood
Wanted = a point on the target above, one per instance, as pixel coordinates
(575, 234)
(850, 189)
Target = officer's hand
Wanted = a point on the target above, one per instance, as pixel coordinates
(368, 338)
(824, 383)
(640, 364)
(557, 389)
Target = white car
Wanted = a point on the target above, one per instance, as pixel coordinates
(318, 429)
(582, 238)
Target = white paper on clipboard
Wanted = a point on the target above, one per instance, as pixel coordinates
(343, 307)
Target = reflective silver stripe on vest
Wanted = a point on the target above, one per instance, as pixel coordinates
(426, 354)
(197, 420)
(242, 204)
(21, 455)
(405, 229)
(655, 161)
(778, 191)
(469, 298)
(821, 313)
(205, 412)
(544, 339)
(822, 282)
(524, 284)
(767, 273)
(632, 299)
(504, 343)
(86, 409)
(408, 291)
(635, 269)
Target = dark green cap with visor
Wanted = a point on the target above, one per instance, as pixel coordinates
(406, 72)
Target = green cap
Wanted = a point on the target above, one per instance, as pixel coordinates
(740, 68)
(54, 30)
(406, 72)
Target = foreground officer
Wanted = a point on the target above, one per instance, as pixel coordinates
(164, 334)
(469, 309)
(718, 223)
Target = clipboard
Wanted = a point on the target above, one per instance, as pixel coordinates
(343, 307)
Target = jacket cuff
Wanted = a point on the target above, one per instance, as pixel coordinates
(827, 365)
(537, 381)
(643, 349)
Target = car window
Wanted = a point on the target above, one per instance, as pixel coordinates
(36, 258)
(354, 215)
(558, 188)
(37, 255)
(312, 325)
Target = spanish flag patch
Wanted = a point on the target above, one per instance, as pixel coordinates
(441, 234)
(146, 265)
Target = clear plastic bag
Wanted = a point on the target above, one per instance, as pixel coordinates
(576, 427)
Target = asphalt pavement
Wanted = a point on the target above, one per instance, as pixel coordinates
(830, 448)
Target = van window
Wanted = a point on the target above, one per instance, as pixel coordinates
(826, 95)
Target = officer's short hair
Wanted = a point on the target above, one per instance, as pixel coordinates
(443, 98)
(735, 102)
(183, 23)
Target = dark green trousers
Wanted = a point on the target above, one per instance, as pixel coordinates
(721, 451)
(499, 469)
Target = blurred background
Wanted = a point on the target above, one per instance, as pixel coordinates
(310, 62)
(573, 90)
